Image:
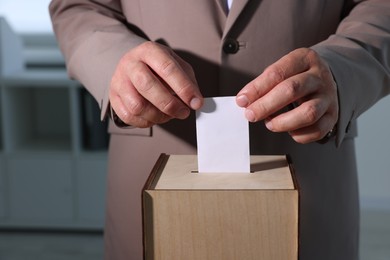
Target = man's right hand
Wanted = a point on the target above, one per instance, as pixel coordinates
(152, 85)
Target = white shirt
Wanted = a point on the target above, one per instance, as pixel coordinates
(229, 4)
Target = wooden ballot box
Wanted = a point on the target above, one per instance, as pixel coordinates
(221, 216)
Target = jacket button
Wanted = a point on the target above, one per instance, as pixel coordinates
(230, 46)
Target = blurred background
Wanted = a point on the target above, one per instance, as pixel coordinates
(46, 123)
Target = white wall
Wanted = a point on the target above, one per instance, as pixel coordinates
(27, 16)
(373, 156)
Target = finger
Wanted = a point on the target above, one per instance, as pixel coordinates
(308, 113)
(314, 132)
(134, 104)
(289, 65)
(186, 67)
(152, 89)
(168, 68)
(150, 117)
(283, 94)
(123, 113)
(138, 106)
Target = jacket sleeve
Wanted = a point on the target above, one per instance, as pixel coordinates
(93, 37)
(359, 57)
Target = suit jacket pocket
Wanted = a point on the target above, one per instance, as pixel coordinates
(114, 129)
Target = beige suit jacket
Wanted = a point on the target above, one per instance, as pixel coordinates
(352, 36)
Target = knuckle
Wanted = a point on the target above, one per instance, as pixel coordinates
(311, 113)
(312, 59)
(146, 46)
(255, 88)
(326, 75)
(275, 73)
(292, 89)
(167, 67)
(127, 117)
(136, 107)
(142, 81)
(186, 91)
(311, 55)
(262, 109)
(167, 106)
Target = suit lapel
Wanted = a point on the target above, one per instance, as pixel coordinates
(236, 9)
(223, 6)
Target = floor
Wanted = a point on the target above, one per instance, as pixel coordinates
(375, 242)
(50, 246)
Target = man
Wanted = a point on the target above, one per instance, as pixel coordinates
(304, 71)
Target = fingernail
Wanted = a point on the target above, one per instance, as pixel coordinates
(183, 113)
(195, 103)
(269, 125)
(250, 115)
(242, 101)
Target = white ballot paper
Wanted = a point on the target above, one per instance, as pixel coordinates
(222, 137)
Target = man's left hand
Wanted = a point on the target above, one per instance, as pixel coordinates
(301, 78)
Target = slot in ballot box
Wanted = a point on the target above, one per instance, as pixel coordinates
(220, 216)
